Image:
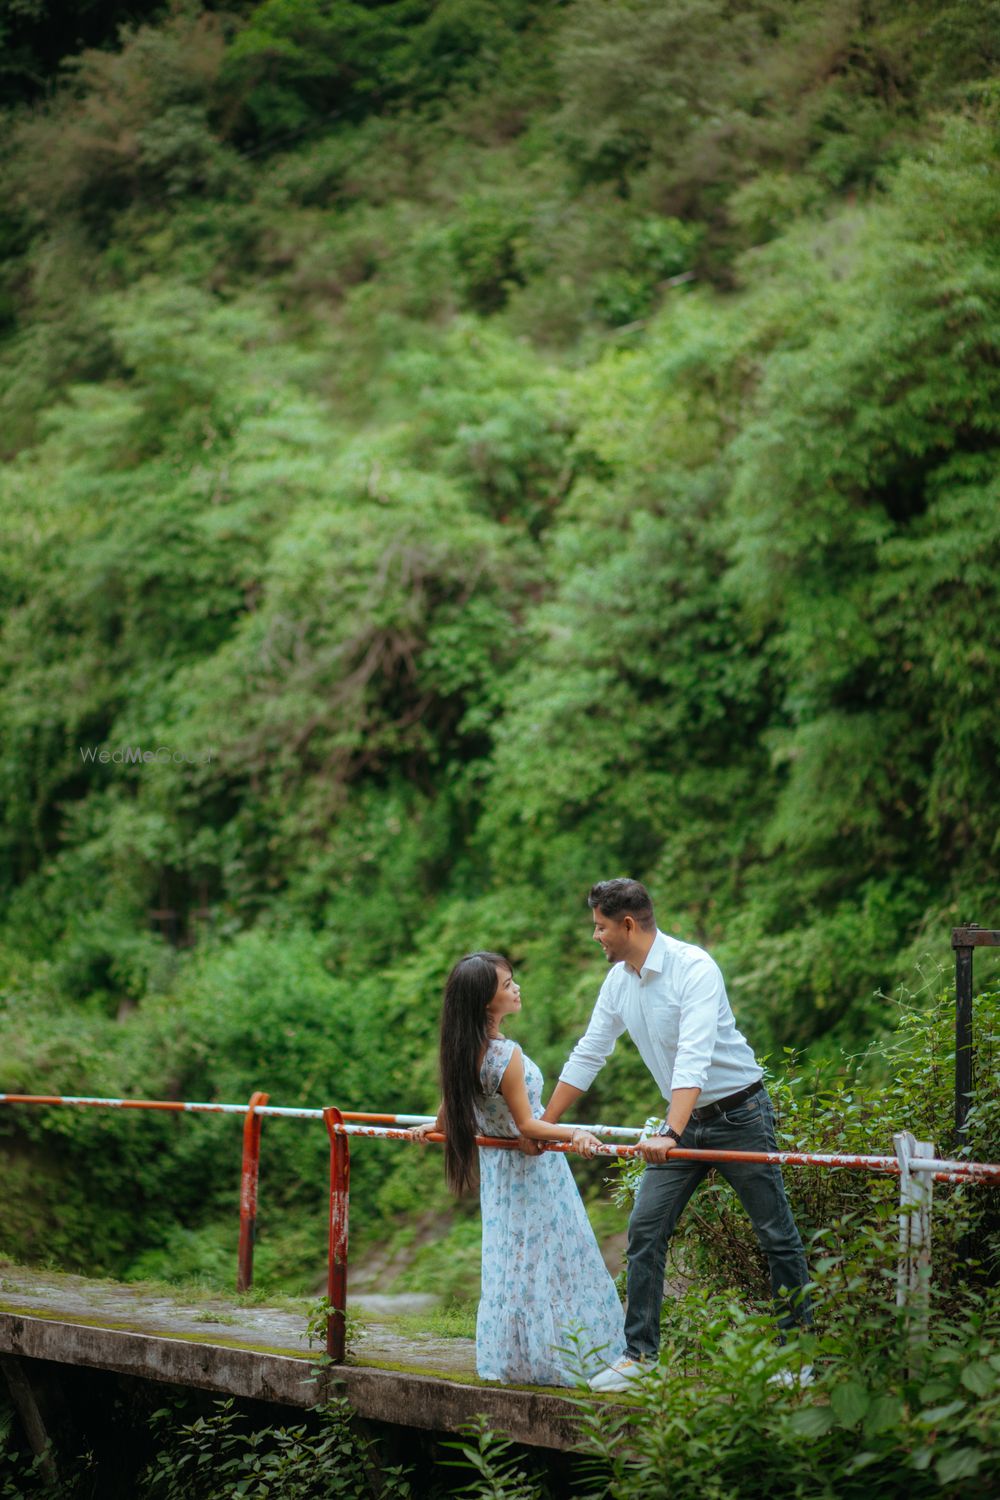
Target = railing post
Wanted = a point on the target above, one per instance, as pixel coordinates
(248, 1192)
(340, 1182)
(963, 1026)
(916, 1200)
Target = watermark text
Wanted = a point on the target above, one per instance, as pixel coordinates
(135, 755)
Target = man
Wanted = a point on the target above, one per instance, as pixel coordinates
(671, 999)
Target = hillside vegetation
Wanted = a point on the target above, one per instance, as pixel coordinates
(483, 446)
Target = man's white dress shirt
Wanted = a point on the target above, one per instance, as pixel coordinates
(677, 1013)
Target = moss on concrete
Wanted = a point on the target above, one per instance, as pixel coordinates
(157, 1331)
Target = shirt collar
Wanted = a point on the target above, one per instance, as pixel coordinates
(656, 957)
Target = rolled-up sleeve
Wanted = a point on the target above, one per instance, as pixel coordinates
(701, 996)
(595, 1046)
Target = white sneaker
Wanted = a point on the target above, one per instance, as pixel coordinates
(792, 1377)
(620, 1375)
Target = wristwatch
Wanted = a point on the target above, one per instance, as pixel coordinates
(666, 1129)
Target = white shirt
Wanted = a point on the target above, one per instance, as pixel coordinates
(677, 1013)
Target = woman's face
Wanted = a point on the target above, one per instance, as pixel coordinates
(507, 998)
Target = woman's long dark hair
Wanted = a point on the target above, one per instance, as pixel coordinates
(471, 986)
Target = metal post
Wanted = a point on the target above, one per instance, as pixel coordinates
(248, 1192)
(963, 1029)
(916, 1200)
(340, 1182)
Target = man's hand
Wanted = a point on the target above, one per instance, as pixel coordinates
(655, 1148)
(528, 1147)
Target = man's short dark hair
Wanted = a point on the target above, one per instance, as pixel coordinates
(623, 898)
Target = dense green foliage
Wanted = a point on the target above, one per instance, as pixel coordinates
(474, 448)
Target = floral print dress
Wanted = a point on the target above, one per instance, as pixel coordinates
(549, 1313)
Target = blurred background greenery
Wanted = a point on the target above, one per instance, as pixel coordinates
(491, 445)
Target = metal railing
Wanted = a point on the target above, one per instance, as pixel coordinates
(914, 1163)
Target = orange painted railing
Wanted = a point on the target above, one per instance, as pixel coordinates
(913, 1166)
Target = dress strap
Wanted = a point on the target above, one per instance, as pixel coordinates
(498, 1055)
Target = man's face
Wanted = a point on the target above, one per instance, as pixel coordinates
(613, 935)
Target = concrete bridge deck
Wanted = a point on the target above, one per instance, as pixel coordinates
(263, 1353)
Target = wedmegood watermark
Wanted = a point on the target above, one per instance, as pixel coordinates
(134, 755)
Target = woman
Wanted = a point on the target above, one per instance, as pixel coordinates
(549, 1313)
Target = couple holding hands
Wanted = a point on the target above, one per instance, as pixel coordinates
(544, 1284)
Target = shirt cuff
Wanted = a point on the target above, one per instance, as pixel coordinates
(578, 1076)
(688, 1080)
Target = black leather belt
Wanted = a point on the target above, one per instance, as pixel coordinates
(713, 1111)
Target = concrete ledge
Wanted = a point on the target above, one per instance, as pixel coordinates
(405, 1400)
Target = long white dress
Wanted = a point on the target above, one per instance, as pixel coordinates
(549, 1313)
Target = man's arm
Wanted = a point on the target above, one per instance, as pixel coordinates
(695, 1043)
(659, 1147)
(563, 1095)
(585, 1061)
(699, 1026)
(515, 1095)
(595, 1046)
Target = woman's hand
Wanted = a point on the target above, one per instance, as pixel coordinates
(421, 1132)
(584, 1143)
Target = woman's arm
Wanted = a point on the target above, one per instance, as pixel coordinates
(515, 1095)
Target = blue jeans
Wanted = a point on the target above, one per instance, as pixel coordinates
(663, 1194)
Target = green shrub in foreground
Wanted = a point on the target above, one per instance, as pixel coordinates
(220, 1456)
(882, 1418)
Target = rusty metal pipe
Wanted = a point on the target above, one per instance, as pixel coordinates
(278, 1111)
(248, 1192)
(946, 1170)
(340, 1180)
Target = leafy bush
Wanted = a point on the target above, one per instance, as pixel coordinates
(485, 244)
(158, 1193)
(295, 64)
(655, 250)
(497, 1473)
(221, 1456)
(878, 1419)
(126, 123)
